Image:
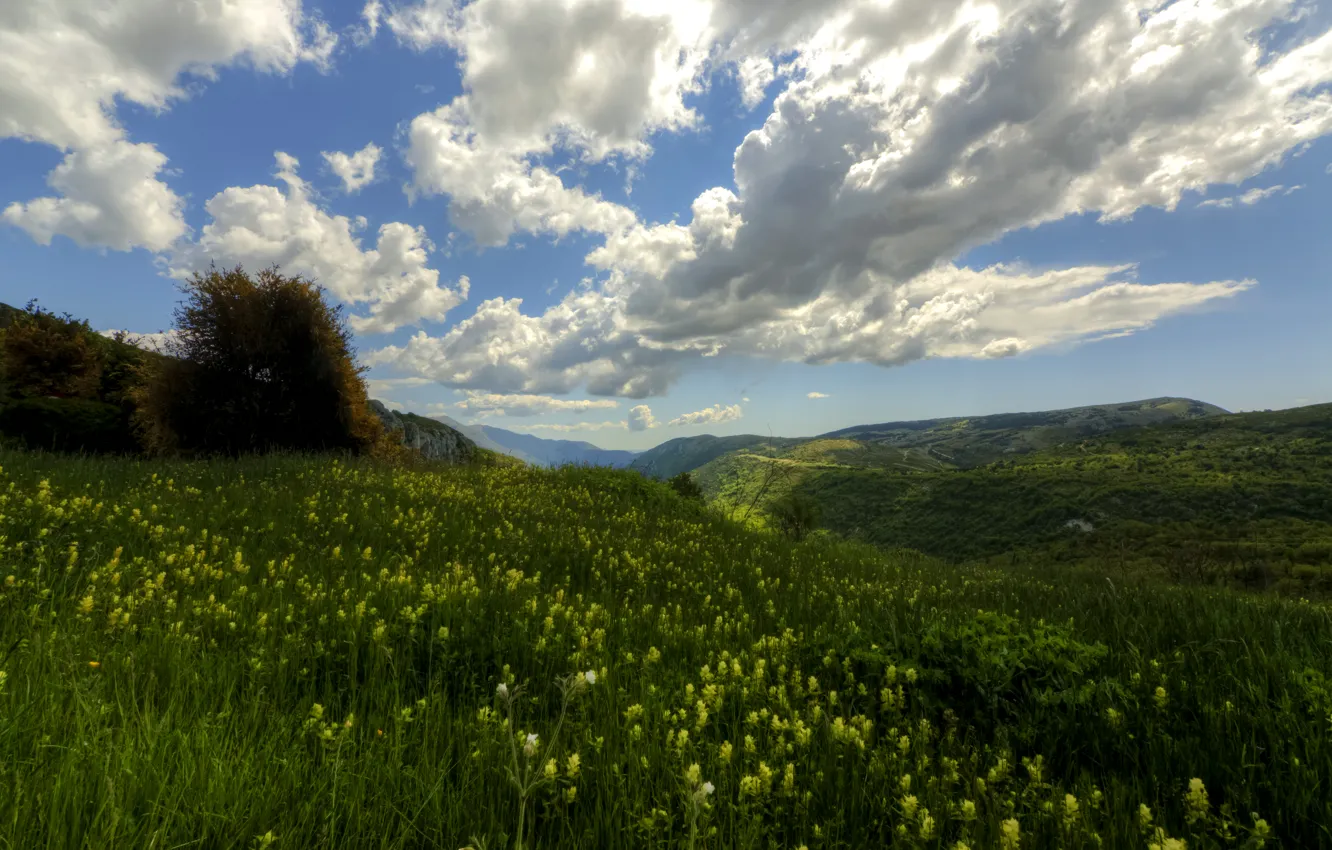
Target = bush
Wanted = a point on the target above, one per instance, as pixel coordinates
(258, 364)
(44, 355)
(68, 425)
(685, 485)
(795, 515)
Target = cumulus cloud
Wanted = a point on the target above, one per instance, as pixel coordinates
(496, 191)
(714, 415)
(500, 404)
(900, 140)
(158, 341)
(109, 196)
(818, 395)
(63, 69)
(357, 170)
(259, 226)
(641, 418)
(1250, 197)
(600, 74)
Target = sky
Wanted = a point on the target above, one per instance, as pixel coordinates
(625, 221)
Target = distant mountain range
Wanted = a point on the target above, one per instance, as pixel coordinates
(537, 450)
(955, 442)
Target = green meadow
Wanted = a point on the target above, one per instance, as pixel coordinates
(302, 652)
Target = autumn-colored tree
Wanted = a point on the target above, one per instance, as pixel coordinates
(257, 363)
(43, 355)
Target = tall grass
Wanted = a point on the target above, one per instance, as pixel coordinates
(301, 652)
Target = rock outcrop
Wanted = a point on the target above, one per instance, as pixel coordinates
(434, 440)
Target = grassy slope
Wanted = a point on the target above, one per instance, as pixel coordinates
(222, 602)
(1255, 475)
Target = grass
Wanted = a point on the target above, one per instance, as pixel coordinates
(308, 653)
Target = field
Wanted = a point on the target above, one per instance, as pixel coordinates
(303, 652)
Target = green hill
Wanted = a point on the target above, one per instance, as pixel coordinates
(977, 440)
(685, 454)
(1243, 493)
(305, 652)
(933, 443)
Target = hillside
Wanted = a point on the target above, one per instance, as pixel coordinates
(546, 452)
(978, 440)
(478, 435)
(685, 454)
(934, 443)
(279, 652)
(1237, 490)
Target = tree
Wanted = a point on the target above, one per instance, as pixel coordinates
(258, 363)
(685, 485)
(48, 356)
(795, 515)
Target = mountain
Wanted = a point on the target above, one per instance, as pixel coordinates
(977, 440)
(932, 443)
(545, 452)
(1248, 491)
(685, 454)
(433, 439)
(477, 434)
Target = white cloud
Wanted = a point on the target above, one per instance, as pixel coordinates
(371, 14)
(495, 192)
(601, 74)
(109, 196)
(641, 418)
(818, 395)
(356, 170)
(902, 139)
(501, 404)
(157, 341)
(63, 67)
(382, 386)
(260, 226)
(714, 415)
(1250, 197)
(755, 74)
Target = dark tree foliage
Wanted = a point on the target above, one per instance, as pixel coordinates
(258, 363)
(48, 356)
(795, 515)
(685, 485)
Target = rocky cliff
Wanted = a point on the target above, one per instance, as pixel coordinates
(434, 440)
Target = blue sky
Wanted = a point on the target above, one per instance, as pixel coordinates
(705, 222)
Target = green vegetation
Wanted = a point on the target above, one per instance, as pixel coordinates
(64, 387)
(1243, 498)
(286, 652)
(259, 363)
(685, 454)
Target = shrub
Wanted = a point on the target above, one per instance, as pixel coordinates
(685, 485)
(795, 515)
(44, 355)
(258, 364)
